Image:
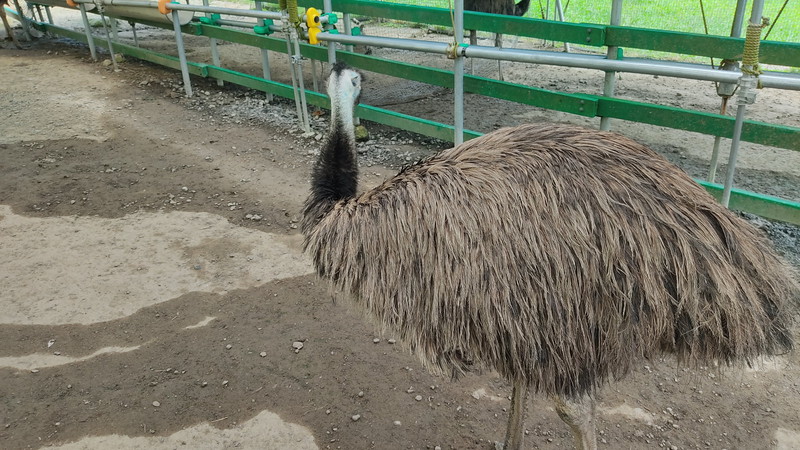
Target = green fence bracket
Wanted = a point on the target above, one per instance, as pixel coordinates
(264, 30)
(213, 20)
(333, 19)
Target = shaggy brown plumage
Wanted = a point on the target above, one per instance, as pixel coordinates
(556, 255)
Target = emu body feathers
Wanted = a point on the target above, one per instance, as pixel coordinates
(556, 255)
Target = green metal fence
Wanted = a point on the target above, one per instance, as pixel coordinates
(580, 104)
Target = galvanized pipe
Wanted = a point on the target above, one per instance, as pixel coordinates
(89, 39)
(610, 81)
(24, 21)
(560, 16)
(348, 28)
(327, 7)
(264, 55)
(230, 11)
(49, 14)
(747, 95)
(678, 70)
(736, 31)
(293, 73)
(187, 82)
(297, 59)
(214, 50)
(738, 18)
(458, 75)
(377, 41)
(108, 38)
(133, 29)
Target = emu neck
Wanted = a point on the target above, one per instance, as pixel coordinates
(335, 175)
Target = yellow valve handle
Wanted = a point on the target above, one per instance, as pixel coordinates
(312, 35)
(312, 18)
(313, 23)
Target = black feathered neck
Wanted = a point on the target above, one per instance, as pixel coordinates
(335, 174)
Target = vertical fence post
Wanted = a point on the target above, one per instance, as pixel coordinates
(176, 24)
(726, 90)
(327, 7)
(264, 54)
(214, 51)
(747, 94)
(560, 16)
(88, 29)
(458, 74)
(610, 81)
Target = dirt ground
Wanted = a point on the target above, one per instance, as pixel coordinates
(154, 292)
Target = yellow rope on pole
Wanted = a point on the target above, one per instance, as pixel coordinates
(291, 7)
(752, 44)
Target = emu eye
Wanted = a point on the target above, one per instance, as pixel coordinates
(354, 80)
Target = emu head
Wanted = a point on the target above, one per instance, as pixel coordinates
(344, 90)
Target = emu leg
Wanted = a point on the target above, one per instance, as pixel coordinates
(8, 27)
(516, 417)
(498, 42)
(579, 415)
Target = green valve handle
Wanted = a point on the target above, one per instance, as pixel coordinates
(210, 20)
(262, 30)
(332, 18)
(355, 31)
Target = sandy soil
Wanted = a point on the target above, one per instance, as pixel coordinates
(153, 284)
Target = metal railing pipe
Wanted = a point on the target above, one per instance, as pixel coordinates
(668, 69)
(229, 11)
(377, 41)
(458, 75)
(677, 70)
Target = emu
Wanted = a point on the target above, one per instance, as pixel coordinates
(556, 255)
(506, 7)
(3, 16)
